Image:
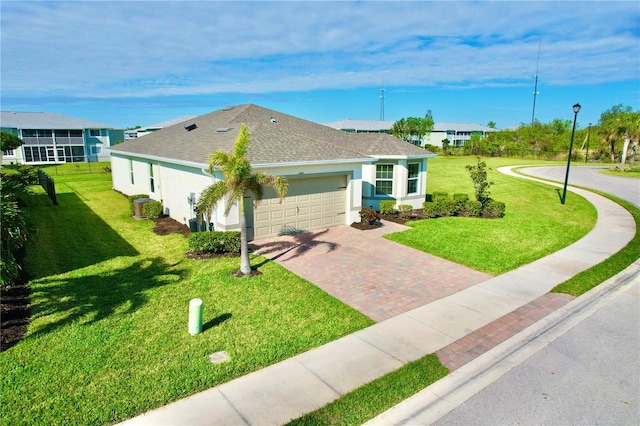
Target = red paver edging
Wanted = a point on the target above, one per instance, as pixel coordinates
(464, 350)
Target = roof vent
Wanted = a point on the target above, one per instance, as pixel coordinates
(190, 127)
(223, 129)
(273, 120)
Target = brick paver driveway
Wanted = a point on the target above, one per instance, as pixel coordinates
(378, 277)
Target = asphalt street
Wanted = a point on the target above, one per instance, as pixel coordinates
(590, 177)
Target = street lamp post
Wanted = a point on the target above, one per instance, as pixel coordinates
(576, 110)
(586, 157)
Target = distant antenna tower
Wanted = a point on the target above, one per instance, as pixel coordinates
(535, 87)
(382, 101)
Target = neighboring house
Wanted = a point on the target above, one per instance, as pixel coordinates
(457, 133)
(134, 133)
(51, 138)
(363, 126)
(332, 174)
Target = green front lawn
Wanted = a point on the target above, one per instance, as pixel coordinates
(108, 337)
(535, 224)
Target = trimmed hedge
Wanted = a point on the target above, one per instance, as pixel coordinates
(387, 206)
(493, 209)
(215, 242)
(152, 210)
(405, 210)
(460, 205)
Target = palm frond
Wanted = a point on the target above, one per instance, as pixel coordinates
(210, 196)
(242, 142)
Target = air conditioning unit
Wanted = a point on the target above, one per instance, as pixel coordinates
(138, 205)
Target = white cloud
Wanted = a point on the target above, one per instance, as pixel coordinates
(140, 49)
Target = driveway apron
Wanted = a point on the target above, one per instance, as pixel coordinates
(378, 277)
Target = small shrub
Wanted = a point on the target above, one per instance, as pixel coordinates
(429, 208)
(444, 206)
(132, 198)
(493, 209)
(472, 208)
(214, 242)
(28, 174)
(152, 210)
(405, 210)
(387, 206)
(459, 201)
(478, 175)
(369, 216)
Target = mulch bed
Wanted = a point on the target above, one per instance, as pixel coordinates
(166, 225)
(396, 218)
(15, 310)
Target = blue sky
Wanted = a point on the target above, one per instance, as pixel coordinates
(127, 63)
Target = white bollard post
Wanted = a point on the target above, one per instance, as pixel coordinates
(195, 316)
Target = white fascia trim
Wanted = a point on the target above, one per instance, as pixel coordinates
(160, 159)
(403, 157)
(311, 163)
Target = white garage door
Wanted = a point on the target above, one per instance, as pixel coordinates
(310, 204)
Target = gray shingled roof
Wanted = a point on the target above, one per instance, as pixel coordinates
(47, 120)
(275, 138)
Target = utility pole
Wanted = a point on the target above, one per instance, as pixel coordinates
(535, 87)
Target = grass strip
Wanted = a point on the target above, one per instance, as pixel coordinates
(375, 397)
(586, 280)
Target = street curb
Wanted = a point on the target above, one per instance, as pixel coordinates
(435, 401)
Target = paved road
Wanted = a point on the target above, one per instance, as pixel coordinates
(589, 375)
(590, 177)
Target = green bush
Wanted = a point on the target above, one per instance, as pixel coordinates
(429, 208)
(387, 206)
(152, 210)
(460, 200)
(135, 197)
(472, 208)
(493, 209)
(214, 242)
(445, 206)
(28, 174)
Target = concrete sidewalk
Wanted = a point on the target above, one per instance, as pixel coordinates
(284, 391)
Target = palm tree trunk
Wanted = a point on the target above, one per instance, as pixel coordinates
(245, 265)
(625, 147)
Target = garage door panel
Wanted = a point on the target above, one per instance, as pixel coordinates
(310, 204)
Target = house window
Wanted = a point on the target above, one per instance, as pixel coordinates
(94, 132)
(96, 150)
(384, 179)
(412, 181)
(9, 152)
(131, 171)
(151, 183)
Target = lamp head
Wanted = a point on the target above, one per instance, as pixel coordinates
(576, 108)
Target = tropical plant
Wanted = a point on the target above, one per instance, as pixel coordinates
(15, 229)
(620, 122)
(478, 174)
(238, 179)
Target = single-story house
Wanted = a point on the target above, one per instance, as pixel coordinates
(332, 174)
(51, 138)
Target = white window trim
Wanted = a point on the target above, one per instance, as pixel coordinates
(375, 180)
(151, 179)
(417, 179)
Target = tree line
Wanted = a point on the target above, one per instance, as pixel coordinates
(615, 138)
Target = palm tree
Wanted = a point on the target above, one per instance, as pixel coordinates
(238, 180)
